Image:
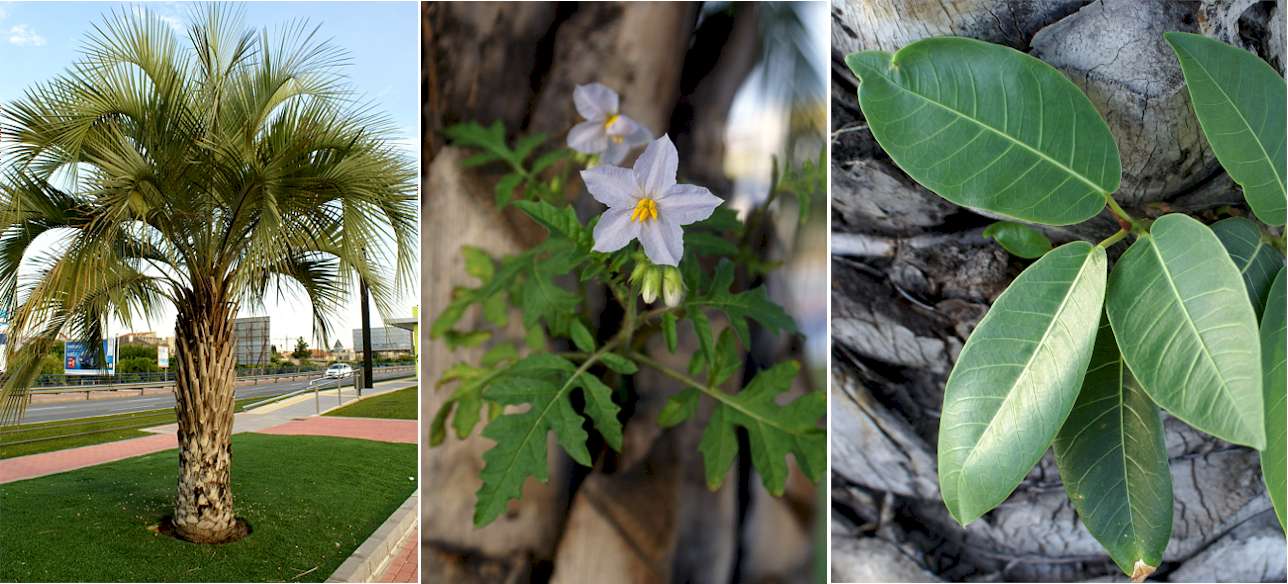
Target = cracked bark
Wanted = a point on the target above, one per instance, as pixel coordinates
(912, 276)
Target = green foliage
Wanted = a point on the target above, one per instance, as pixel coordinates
(996, 421)
(1111, 448)
(774, 431)
(996, 130)
(1239, 101)
(1186, 329)
(572, 371)
(525, 179)
(301, 349)
(1275, 455)
(1253, 254)
(1018, 239)
(968, 119)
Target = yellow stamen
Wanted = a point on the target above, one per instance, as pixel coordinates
(608, 123)
(617, 139)
(645, 210)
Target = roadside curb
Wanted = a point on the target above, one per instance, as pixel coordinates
(370, 558)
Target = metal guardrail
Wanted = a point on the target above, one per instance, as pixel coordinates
(317, 385)
(143, 386)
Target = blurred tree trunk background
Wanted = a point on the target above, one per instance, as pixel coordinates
(912, 275)
(644, 515)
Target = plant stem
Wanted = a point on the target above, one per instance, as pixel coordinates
(712, 392)
(1124, 218)
(1112, 239)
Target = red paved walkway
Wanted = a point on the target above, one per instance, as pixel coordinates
(402, 567)
(35, 465)
(366, 428)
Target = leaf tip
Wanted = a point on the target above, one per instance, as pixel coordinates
(1141, 570)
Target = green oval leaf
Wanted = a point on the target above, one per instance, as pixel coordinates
(1017, 378)
(1018, 240)
(1187, 331)
(1239, 101)
(1256, 259)
(1275, 455)
(1113, 461)
(989, 127)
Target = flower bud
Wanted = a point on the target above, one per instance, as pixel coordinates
(637, 274)
(672, 286)
(652, 284)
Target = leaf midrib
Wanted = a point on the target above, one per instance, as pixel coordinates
(1274, 170)
(1189, 320)
(1010, 391)
(1041, 155)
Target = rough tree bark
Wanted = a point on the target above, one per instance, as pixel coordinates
(643, 515)
(912, 276)
(204, 383)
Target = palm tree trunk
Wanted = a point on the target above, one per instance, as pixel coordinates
(203, 507)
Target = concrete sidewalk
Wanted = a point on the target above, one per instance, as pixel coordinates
(276, 415)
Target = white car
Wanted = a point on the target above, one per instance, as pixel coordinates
(338, 371)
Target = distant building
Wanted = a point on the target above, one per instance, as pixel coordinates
(250, 336)
(148, 338)
(386, 339)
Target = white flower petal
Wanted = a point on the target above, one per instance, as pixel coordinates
(595, 101)
(611, 185)
(588, 138)
(685, 204)
(614, 154)
(655, 168)
(639, 137)
(663, 242)
(615, 229)
(622, 127)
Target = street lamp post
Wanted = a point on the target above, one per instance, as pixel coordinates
(366, 335)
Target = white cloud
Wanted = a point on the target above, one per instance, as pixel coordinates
(3, 14)
(22, 35)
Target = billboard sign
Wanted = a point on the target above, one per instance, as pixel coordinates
(163, 356)
(79, 359)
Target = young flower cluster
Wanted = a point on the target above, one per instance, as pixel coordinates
(644, 202)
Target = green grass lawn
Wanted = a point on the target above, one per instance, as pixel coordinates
(398, 404)
(310, 501)
(63, 434)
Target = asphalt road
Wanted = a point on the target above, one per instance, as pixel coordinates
(69, 410)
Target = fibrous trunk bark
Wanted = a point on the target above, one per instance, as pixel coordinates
(203, 506)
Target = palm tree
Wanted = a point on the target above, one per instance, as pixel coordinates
(204, 172)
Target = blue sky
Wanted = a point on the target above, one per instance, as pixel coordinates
(38, 40)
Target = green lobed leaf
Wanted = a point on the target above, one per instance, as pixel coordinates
(1187, 331)
(1255, 257)
(559, 221)
(1239, 101)
(753, 304)
(1018, 240)
(678, 408)
(1275, 455)
(1113, 461)
(773, 430)
(668, 331)
(544, 382)
(581, 337)
(1017, 378)
(619, 363)
(988, 127)
(504, 190)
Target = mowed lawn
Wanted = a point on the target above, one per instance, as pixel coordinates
(398, 404)
(311, 501)
(63, 434)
